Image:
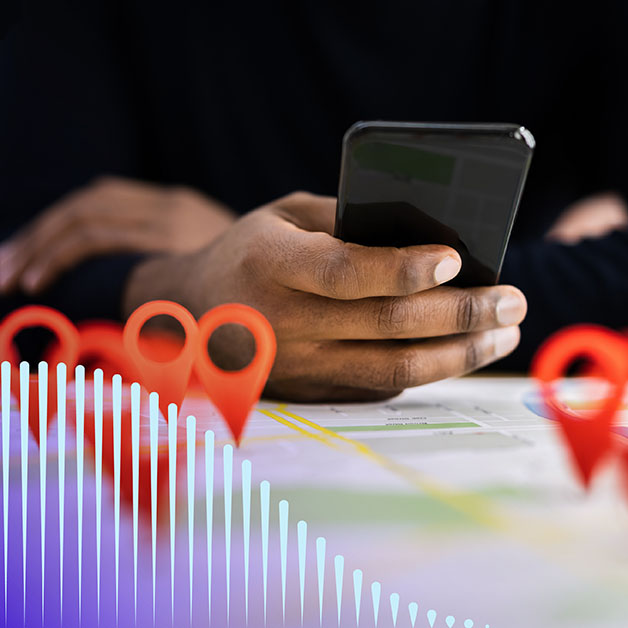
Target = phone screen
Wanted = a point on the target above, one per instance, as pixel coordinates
(405, 184)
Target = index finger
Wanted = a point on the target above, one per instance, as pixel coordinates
(318, 263)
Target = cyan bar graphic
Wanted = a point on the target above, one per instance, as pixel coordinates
(101, 537)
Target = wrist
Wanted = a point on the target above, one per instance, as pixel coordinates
(167, 277)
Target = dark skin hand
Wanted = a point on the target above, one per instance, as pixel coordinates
(343, 314)
(352, 322)
(591, 217)
(109, 215)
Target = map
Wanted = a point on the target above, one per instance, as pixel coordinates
(454, 504)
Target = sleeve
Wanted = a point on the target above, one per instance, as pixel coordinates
(67, 115)
(586, 282)
(567, 284)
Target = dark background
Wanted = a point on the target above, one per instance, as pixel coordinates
(249, 101)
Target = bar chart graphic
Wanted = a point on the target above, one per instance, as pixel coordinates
(114, 515)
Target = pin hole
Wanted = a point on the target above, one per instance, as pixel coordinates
(161, 338)
(231, 347)
(32, 343)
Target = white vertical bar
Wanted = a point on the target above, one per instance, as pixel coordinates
(376, 591)
(413, 610)
(172, 475)
(42, 373)
(228, 495)
(394, 607)
(154, 426)
(24, 399)
(116, 390)
(6, 422)
(98, 426)
(61, 395)
(135, 455)
(431, 617)
(191, 463)
(284, 509)
(246, 530)
(209, 512)
(320, 568)
(302, 549)
(357, 593)
(79, 387)
(264, 495)
(339, 568)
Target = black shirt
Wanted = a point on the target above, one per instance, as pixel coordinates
(249, 101)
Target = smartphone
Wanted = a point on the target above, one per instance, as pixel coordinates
(408, 183)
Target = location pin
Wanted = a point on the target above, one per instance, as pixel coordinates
(589, 438)
(234, 393)
(169, 379)
(101, 346)
(66, 350)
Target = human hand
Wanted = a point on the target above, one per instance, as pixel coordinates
(352, 322)
(592, 217)
(108, 216)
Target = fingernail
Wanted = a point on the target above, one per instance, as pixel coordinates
(446, 270)
(510, 310)
(505, 340)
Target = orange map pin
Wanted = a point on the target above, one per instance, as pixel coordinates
(169, 379)
(234, 393)
(589, 439)
(65, 350)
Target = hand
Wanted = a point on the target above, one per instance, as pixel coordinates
(352, 322)
(108, 216)
(592, 217)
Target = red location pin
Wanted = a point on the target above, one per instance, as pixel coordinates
(65, 350)
(101, 347)
(169, 379)
(589, 438)
(234, 393)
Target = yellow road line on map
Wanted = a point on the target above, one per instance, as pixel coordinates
(291, 425)
(367, 451)
(476, 507)
(254, 439)
(473, 506)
